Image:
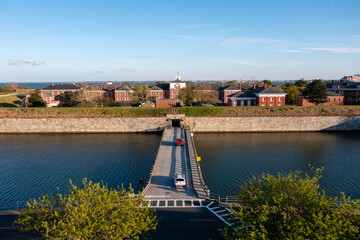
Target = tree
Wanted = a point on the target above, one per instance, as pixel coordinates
(208, 96)
(36, 100)
(292, 93)
(91, 212)
(70, 99)
(268, 82)
(316, 92)
(141, 93)
(231, 82)
(292, 207)
(187, 95)
(301, 83)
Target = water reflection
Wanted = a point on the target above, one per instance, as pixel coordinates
(230, 158)
(33, 164)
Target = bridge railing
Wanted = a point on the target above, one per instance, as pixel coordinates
(148, 181)
(192, 149)
(223, 199)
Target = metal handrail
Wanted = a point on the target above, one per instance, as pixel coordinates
(192, 144)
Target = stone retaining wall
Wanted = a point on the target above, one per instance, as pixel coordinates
(198, 124)
(81, 125)
(273, 124)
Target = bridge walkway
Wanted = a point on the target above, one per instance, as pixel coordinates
(170, 160)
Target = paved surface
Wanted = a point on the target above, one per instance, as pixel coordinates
(176, 223)
(7, 232)
(187, 223)
(171, 159)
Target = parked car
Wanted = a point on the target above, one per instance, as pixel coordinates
(179, 180)
(180, 142)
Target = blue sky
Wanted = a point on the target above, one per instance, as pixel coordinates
(202, 40)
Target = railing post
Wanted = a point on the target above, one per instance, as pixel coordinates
(219, 198)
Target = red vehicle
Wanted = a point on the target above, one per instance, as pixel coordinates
(179, 142)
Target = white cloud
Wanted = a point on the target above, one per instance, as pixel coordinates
(291, 50)
(127, 69)
(196, 37)
(248, 40)
(336, 50)
(20, 62)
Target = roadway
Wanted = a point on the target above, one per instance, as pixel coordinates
(171, 159)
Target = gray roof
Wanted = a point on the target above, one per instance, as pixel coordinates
(63, 87)
(155, 88)
(47, 94)
(333, 94)
(272, 90)
(245, 94)
(124, 88)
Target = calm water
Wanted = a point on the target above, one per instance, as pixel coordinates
(228, 159)
(32, 164)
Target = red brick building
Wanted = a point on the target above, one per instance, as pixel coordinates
(123, 94)
(50, 93)
(258, 95)
(333, 99)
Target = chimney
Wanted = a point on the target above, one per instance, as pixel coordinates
(240, 85)
(265, 85)
(114, 87)
(52, 84)
(209, 86)
(101, 88)
(254, 85)
(259, 84)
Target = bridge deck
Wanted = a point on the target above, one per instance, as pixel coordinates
(171, 159)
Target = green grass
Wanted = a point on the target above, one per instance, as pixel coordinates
(11, 101)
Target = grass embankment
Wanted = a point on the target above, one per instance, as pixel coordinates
(10, 101)
(287, 111)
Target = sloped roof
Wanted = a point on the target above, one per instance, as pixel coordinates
(272, 90)
(333, 94)
(163, 86)
(244, 94)
(155, 88)
(63, 87)
(124, 88)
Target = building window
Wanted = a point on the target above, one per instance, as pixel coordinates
(339, 99)
(117, 99)
(334, 99)
(262, 104)
(271, 104)
(279, 99)
(120, 99)
(329, 99)
(279, 104)
(263, 99)
(271, 99)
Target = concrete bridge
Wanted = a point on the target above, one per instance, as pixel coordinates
(170, 160)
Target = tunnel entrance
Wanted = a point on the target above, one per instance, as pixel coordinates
(175, 122)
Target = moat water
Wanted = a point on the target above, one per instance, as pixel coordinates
(32, 164)
(229, 159)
